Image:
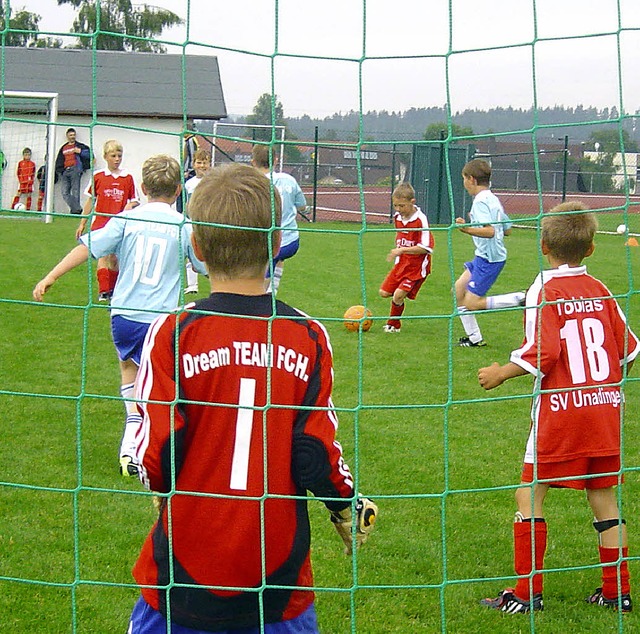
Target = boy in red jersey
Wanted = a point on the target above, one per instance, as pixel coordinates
(576, 345)
(411, 255)
(114, 191)
(26, 173)
(237, 425)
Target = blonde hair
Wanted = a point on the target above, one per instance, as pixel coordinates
(111, 146)
(404, 191)
(261, 154)
(569, 236)
(241, 199)
(478, 169)
(161, 175)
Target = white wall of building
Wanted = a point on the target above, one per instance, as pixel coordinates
(140, 138)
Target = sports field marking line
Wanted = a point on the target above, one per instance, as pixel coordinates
(350, 211)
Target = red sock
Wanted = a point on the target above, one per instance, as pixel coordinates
(522, 555)
(113, 276)
(610, 573)
(16, 200)
(40, 201)
(394, 314)
(103, 280)
(29, 203)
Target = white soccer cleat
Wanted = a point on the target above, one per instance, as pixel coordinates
(389, 328)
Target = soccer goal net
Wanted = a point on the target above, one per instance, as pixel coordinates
(27, 124)
(439, 455)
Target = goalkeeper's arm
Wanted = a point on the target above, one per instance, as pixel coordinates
(366, 515)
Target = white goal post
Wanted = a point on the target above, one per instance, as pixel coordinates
(22, 116)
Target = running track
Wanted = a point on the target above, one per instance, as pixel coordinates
(346, 204)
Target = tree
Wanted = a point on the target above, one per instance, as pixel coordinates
(436, 131)
(609, 141)
(22, 20)
(123, 26)
(269, 111)
(263, 114)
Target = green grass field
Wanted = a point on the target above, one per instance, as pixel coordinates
(440, 456)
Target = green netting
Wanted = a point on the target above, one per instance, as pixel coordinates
(440, 456)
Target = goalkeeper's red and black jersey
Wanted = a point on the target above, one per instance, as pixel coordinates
(237, 419)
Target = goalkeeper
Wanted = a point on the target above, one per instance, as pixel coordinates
(237, 425)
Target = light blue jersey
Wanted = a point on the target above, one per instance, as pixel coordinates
(292, 198)
(487, 210)
(151, 243)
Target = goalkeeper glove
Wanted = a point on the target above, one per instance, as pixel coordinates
(366, 514)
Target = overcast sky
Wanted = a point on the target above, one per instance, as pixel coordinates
(397, 54)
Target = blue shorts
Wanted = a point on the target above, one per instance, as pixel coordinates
(285, 253)
(128, 337)
(483, 275)
(146, 620)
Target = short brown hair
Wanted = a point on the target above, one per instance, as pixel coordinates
(240, 198)
(478, 169)
(161, 175)
(202, 155)
(569, 236)
(261, 154)
(404, 191)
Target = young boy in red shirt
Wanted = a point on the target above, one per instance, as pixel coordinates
(237, 425)
(26, 173)
(577, 344)
(114, 191)
(411, 255)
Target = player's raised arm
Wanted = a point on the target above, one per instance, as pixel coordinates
(74, 258)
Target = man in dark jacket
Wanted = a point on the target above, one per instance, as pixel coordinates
(73, 159)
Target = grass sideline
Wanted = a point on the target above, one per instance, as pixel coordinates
(440, 456)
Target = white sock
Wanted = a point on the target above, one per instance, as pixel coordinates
(470, 324)
(128, 442)
(192, 275)
(127, 391)
(508, 300)
(274, 281)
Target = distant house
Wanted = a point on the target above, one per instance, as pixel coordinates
(142, 99)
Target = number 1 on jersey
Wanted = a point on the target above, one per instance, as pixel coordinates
(244, 427)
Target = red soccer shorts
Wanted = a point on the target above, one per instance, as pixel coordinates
(578, 467)
(393, 282)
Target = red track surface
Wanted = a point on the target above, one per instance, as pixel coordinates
(346, 203)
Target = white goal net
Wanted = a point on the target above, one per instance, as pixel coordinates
(27, 122)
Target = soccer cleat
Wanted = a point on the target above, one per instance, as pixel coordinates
(508, 602)
(105, 296)
(624, 602)
(389, 328)
(190, 289)
(522, 298)
(465, 342)
(128, 467)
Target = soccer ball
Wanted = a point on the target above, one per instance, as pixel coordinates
(621, 229)
(354, 314)
(19, 207)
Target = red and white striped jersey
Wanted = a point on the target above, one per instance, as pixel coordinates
(238, 422)
(576, 342)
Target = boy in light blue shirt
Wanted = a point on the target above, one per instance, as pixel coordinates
(264, 159)
(489, 224)
(151, 243)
